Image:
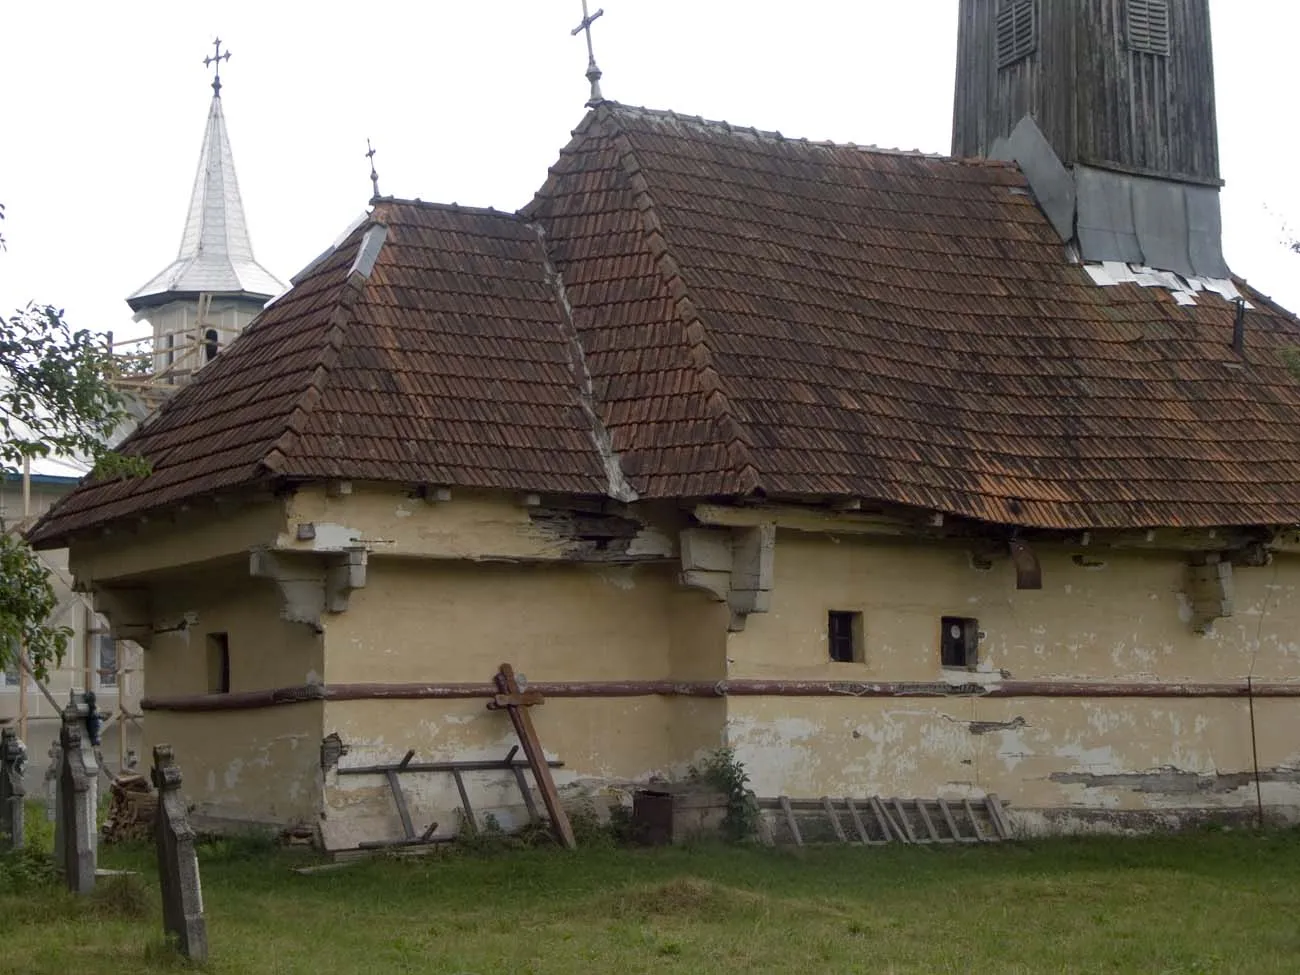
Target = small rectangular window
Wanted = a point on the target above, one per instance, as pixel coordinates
(959, 642)
(11, 670)
(1148, 26)
(844, 637)
(107, 648)
(1017, 30)
(218, 663)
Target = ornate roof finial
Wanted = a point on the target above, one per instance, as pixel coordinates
(374, 176)
(216, 59)
(593, 72)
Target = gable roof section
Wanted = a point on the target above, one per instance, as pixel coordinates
(660, 397)
(735, 314)
(448, 362)
(904, 328)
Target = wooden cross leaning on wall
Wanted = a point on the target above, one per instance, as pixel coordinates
(516, 701)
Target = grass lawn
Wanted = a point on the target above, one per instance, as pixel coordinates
(1210, 902)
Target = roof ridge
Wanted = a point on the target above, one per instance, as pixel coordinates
(743, 468)
(453, 207)
(617, 484)
(354, 286)
(773, 135)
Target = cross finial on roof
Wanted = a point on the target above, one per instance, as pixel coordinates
(374, 176)
(593, 72)
(216, 58)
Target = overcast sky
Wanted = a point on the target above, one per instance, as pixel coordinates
(102, 108)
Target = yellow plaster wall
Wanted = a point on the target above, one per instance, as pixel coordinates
(433, 621)
(1125, 620)
(473, 525)
(252, 765)
(204, 532)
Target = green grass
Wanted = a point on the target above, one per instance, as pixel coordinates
(1209, 902)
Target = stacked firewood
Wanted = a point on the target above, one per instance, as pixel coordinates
(131, 810)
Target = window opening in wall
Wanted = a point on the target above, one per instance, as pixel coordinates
(959, 642)
(1148, 26)
(218, 663)
(107, 651)
(844, 637)
(1017, 31)
(211, 344)
(11, 672)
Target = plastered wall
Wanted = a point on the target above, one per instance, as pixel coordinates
(259, 766)
(1121, 616)
(456, 622)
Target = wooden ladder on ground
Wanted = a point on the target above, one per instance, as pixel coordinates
(876, 821)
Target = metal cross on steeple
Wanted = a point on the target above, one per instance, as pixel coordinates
(593, 72)
(374, 176)
(216, 59)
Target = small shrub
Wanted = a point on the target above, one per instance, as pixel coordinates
(27, 869)
(588, 830)
(724, 772)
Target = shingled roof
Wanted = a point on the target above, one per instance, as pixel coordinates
(740, 314)
(428, 348)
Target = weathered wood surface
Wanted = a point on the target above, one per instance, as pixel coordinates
(517, 707)
(1098, 101)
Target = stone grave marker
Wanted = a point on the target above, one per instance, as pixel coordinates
(52, 781)
(76, 843)
(178, 861)
(13, 763)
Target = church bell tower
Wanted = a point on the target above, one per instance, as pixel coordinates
(214, 287)
(1108, 106)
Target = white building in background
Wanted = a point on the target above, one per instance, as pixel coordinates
(203, 299)
(196, 306)
(94, 660)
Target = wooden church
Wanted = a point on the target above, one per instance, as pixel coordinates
(900, 475)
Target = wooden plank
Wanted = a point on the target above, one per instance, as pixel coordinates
(503, 766)
(902, 816)
(974, 823)
(523, 724)
(527, 793)
(952, 824)
(789, 820)
(765, 831)
(396, 787)
(858, 824)
(466, 808)
(835, 819)
(929, 825)
(994, 805)
(891, 831)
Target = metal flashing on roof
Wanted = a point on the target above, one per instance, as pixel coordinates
(1105, 217)
(324, 255)
(368, 252)
(1167, 224)
(1051, 182)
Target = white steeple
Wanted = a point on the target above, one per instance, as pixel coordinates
(216, 254)
(202, 300)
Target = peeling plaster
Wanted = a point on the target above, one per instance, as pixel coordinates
(1169, 780)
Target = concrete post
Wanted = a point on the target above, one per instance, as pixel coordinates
(13, 763)
(178, 861)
